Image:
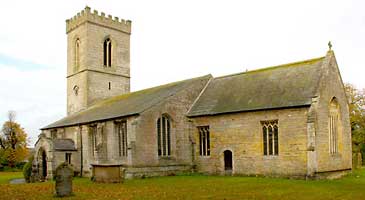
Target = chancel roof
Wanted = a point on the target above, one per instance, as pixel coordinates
(283, 86)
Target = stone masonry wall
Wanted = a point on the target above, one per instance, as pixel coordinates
(332, 86)
(91, 76)
(146, 156)
(242, 134)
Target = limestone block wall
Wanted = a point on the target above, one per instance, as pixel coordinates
(91, 76)
(76, 102)
(120, 49)
(80, 34)
(332, 86)
(72, 133)
(98, 86)
(109, 154)
(242, 134)
(59, 158)
(86, 151)
(176, 107)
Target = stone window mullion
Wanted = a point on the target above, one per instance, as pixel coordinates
(272, 140)
(200, 142)
(119, 138)
(270, 134)
(204, 141)
(125, 142)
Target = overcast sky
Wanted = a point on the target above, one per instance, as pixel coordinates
(171, 41)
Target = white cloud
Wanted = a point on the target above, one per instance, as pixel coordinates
(37, 96)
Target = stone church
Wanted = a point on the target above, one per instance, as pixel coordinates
(290, 120)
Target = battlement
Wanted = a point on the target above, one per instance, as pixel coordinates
(93, 17)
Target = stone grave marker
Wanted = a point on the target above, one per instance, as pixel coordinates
(64, 175)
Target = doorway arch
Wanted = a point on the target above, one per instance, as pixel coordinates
(228, 160)
(42, 163)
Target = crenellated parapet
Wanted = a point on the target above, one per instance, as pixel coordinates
(93, 17)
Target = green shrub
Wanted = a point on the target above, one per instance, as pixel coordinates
(27, 169)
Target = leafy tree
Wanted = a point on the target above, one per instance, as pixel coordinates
(356, 100)
(13, 142)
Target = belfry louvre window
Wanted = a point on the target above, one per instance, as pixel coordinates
(164, 136)
(204, 140)
(270, 135)
(108, 53)
(121, 132)
(333, 126)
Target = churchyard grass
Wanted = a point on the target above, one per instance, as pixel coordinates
(5, 177)
(196, 187)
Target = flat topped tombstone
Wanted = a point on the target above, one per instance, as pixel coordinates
(64, 175)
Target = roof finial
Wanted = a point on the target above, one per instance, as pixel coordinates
(330, 45)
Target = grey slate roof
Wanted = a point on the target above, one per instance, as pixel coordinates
(128, 104)
(288, 85)
(64, 145)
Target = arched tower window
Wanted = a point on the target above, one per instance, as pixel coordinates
(108, 53)
(164, 136)
(333, 126)
(77, 54)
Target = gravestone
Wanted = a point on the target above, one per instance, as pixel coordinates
(64, 175)
(34, 176)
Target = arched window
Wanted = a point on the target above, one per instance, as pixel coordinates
(121, 133)
(333, 126)
(163, 136)
(270, 131)
(108, 53)
(77, 55)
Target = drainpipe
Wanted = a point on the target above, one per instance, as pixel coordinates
(82, 152)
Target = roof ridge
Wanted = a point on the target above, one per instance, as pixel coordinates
(118, 97)
(291, 64)
(185, 85)
(200, 94)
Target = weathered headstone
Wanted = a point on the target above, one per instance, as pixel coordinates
(64, 175)
(34, 176)
(359, 160)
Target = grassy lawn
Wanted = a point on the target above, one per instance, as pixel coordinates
(196, 187)
(5, 177)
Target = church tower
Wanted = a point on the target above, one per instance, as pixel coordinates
(98, 58)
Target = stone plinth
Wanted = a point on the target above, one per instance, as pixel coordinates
(108, 173)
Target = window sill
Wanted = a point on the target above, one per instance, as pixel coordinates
(271, 156)
(203, 157)
(336, 155)
(166, 158)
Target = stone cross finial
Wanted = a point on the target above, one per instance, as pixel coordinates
(330, 45)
